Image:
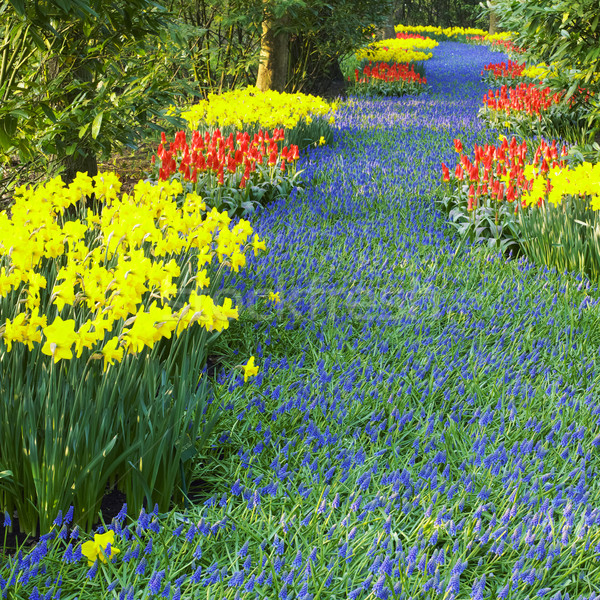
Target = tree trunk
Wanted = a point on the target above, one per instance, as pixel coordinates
(84, 163)
(273, 67)
(493, 21)
(84, 159)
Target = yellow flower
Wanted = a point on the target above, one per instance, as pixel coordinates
(107, 186)
(60, 336)
(202, 309)
(63, 293)
(274, 297)
(249, 369)
(142, 332)
(112, 352)
(14, 331)
(96, 549)
(258, 244)
(86, 338)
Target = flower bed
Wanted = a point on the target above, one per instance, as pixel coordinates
(238, 173)
(425, 419)
(305, 118)
(107, 317)
(398, 50)
(383, 79)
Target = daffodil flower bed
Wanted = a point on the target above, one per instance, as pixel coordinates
(305, 118)
(237, 173)
(105, 322)
(398, 50)
(441, 33)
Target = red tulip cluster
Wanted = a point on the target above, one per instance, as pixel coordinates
(498, 172)
(524, 97)
(501, 45)
(212, 153)
(409, 36)
(510, 70)
(389, 73)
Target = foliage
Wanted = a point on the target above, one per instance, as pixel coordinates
(237, 176)
(322, 32)
(106, 323)
(440, 13)
(82, 79)
(216, 44)
(565, 33)
(564, 236)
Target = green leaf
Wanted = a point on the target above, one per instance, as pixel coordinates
(48, 111)
(83, 129)
(96, 125)
(19, 6)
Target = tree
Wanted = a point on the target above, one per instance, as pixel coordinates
(318, 34)
(274, 51)
(79, 83)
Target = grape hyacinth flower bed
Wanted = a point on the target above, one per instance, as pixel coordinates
(425, 422)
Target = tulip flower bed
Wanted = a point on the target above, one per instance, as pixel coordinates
(237, 176)
(383, 79)
(504, 73)
(483, 193)
(425, 420)
(524, 98)
(530, 107)
(499, 41)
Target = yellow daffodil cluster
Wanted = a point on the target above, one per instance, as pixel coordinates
(582, 180)
(109, 281)
(397, 50)
(540, 71)
(448, 31)
(271, 109)
(501, 36)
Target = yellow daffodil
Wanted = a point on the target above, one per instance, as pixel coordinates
(60, 336)
(14, 331)
(112, 352)
(250, 370)
(258, 244)
(97, 549)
